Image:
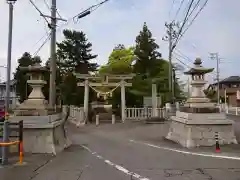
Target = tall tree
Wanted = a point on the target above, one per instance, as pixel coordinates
(74, 53)
(22, 89)
(146, 52)
(119, 62)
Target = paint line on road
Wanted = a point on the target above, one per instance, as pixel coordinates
(116, 166)
(187, 152)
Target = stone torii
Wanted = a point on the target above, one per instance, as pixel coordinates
(105, 83)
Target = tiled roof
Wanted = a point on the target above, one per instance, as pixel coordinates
(231, 79)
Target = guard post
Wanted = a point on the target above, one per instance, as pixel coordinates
(20, 145)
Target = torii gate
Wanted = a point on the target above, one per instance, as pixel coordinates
(105, 83)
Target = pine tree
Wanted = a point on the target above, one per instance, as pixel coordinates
(74, 53)
(146, 52)
(22, 89)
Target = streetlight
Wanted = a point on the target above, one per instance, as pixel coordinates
(9, 54)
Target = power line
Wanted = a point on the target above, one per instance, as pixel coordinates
(179, 9)
(183, 55)
(183, 62)
(171, 7)
(195, 7)
(41, 14)
(47, 5)
(200, 10)
(183, 24)
(45, 2)
(44, 42)
(91, 9)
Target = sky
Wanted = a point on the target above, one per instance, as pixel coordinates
(119, 22)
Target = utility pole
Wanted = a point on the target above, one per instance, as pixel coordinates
(171, 35)
(9, 54)
(215, 56)
(53, 61)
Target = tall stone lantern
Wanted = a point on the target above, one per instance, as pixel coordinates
(43, 128)
(197, 122)
(35, 104)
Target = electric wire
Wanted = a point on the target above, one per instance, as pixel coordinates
(171, 7)
(48, 6)
(41, 14)
(179, 8)
(47, 35)
(44, 42)
(179, 53)
(183, 24)
(200, 10)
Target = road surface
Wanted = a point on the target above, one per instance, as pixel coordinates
(132, 151)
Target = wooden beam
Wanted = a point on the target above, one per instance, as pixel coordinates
(104, 84)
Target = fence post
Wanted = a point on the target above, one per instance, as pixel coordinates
(97, 120)
(5, 140)
(113, 119)
(236, 110)
(145, 112)
(226, 109)
(20, 142)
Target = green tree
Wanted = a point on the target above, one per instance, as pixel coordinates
(119, 62)
(74, 53)
(22, 89)
(146, 53)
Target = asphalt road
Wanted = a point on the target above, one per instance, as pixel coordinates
(113, 144)
(130, 151)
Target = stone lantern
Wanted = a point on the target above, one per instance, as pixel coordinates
(43, 128)
(35, 104)
(198, 101)
(199, 120)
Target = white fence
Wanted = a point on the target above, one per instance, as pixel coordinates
(138, 114)
(77, 114)
(143, 113)
(233, 110)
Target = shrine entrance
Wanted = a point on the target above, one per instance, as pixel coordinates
(97, 83)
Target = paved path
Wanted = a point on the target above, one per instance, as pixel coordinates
(132, 151)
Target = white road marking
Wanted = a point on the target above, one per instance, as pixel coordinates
(120, 168)
(187, 152)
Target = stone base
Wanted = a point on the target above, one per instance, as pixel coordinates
(43, 134)
(193, 130)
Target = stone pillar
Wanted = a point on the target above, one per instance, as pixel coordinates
(86, 99)
(154, 100)
(123, 101)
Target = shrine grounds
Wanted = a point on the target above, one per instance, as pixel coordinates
(128, 151)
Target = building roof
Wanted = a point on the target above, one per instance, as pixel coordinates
(231, 79)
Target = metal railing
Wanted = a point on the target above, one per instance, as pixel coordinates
(11, 134)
